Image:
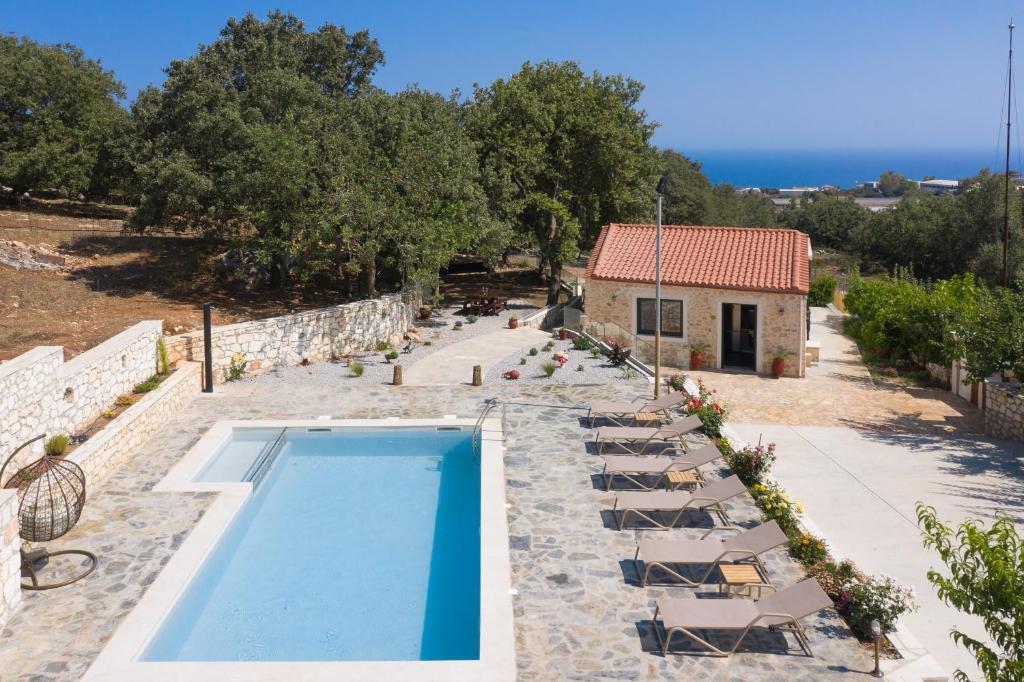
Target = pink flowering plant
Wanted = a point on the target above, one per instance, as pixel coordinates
(752, 464)
(677, 382)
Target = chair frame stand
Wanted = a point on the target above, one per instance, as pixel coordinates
(31, 558)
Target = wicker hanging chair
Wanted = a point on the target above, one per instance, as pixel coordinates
(51, 495)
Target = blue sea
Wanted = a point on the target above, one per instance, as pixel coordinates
(840, 167)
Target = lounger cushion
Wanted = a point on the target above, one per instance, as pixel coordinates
(707, 614)
(635, 464)
(681, 551)
(625, 432)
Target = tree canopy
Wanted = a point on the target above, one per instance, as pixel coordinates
(57, 109)
(241, 134)
(563, 152)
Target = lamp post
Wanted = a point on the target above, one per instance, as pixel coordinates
(657, 288)
(876, 633)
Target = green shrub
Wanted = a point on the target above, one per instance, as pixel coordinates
(595, 352)
(236, 370)
(383, 346)
(147, 385)
(581, 343)
(549, 368)
(834, 577)
(878, 598)
(471, 319)
(823, 289)
(55, 446)
(522, 361)
(534, 351)
(579, 368)
(807, 549)
(357, 368)
(391, 355)
(109, 413)
(628, 372)
(125, 400)
(163, 359)
(548, 346)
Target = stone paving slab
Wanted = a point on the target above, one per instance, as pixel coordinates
(577, 617)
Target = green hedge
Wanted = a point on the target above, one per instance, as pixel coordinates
(823, 289)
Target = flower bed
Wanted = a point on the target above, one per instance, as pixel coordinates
(858, 598)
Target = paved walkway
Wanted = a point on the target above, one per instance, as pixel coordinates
(453, 364)
(860, 454)
(860, 488)
(839, 391)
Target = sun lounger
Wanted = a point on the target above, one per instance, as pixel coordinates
(635, 469)
(647, 503)
(636, 439)
(618, 410)
(745, 547)
(781, 611)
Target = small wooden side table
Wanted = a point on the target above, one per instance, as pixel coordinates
(646, 417)
(680, 478)
(742, 577)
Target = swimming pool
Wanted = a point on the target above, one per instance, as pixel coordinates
(354, 550)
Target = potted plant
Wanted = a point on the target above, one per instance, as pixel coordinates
(779, 363)
(563, 334)
(697, 351)
(513, 322)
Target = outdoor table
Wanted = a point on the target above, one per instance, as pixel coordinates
(742, 576)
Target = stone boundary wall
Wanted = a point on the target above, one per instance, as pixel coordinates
(314, 336)
(40, 393)
(10, 559)
(102, 454)
(1004, 411)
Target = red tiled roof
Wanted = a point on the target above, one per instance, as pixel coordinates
(750, 258)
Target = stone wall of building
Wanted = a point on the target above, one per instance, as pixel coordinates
(10, 559)
(314, 336)
(40, 393)
(1004, 411)
(102, 454)
(781, 320)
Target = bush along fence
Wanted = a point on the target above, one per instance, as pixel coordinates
(858, 598)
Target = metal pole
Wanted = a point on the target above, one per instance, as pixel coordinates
(208, 347)
(1006, 199)
(657, 303)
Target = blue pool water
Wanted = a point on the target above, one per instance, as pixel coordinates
(358, 545)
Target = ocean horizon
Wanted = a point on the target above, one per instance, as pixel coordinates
(841, 167)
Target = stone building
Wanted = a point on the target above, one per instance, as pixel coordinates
(740, 291)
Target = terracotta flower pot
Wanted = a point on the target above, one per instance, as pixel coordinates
(696, 360)
(562, 334)
(513, 323)
(778, 367)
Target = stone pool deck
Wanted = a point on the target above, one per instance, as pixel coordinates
(578, 614)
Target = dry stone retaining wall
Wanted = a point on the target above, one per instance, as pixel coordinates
(102, 454)
(10, 560)
(40, 393)
(314, 336)
(1004, 411)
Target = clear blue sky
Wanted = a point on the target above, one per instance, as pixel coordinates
(751, 74)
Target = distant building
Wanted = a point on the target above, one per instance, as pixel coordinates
(938, 186)
(797, 191)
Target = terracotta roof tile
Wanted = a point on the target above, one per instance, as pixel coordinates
(751, 258)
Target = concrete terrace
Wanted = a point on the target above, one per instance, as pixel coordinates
(578, 615)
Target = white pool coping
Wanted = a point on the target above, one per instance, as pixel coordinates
(118, 661)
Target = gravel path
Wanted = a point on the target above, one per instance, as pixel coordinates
(595, 370)
(439, 332)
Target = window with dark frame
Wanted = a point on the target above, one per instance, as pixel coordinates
(671, 317)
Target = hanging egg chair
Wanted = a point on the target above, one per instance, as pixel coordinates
(51, 495)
